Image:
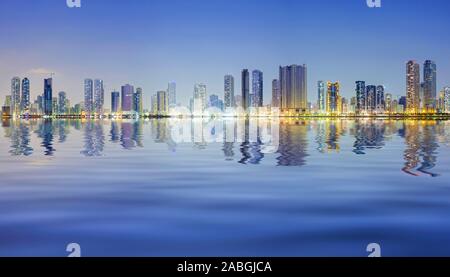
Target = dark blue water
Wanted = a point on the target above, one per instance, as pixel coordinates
(225, 187)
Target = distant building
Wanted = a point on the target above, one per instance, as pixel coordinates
(371, 98)
(361, 97)
(333, 98)
(200, 102)
(163, 102)
(89, 96)
(293, 86)
(430, 86)
(138, 101)
(48, 97)
(276, 93)
(25, 99)
(380, 102)
(99, 96)
(62, 101)
(127, 98)
(412, 87)
(245, 89)
(15, 96)
(115, 102)
(257, 88)
(215, 102)
(172, 91)
(321, 96)
(229, 91)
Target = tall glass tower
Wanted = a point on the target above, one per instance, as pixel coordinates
(48, 97)
(127, 98)
(172, 91)
(429, 86)
(15, 96)
(412, 87)
(25, 99)
(115, 101)
(229, 91)
(245, 87)
(257, 88)
(294, 91)
(99, 96)
(88, 96)
(322, 99)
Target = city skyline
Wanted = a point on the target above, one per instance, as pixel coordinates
(140, 66)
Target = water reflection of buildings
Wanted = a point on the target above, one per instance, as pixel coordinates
(94, 139)
(421, 147)
(20, 139)
(293, 143)
(368, 135)
(244, 141)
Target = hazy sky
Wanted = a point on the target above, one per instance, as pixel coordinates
(150, 42)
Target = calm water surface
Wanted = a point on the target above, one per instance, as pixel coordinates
(225, 187)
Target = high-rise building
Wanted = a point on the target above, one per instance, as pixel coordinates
(257, 88)
(99, 96)
(430, 86)
(55, 106)
(127, 98)
(245, 88)
(172, 90)
(388, 103)
(162, 102)
(322, 97)
(88, 96)
(15, 96)
(293, 86)
(215, 102)
(276, 93)
(447, 99)
(361, 97)
(115, 101)
(229, 91)
(380, 102)
(48, 97)
(154, 104)
(25, 99)
(371, 98)
(200, 97)
(412, 87)
(62, 101)
(333, 98)
(138, 101)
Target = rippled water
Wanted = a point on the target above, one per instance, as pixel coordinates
(227, 188)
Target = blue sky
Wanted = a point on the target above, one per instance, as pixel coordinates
(150, 42)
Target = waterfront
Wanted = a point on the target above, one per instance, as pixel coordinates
(172, 187)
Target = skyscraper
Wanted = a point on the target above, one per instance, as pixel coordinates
(245, 88)
(229, 91)
(115, 101)
(322, 99)
(172, 91)
(430, 86)
(15, 96)
(127, 98)
(88, 96)
(371, 98)
(162, 102)
(276, 93)
(48, 97)
(380, 103)
(412, 87)
(333, 101)
(257, 88)
(200, 98)
(447, 99)
(361, 97)
(293, 86)
(25, 99)
(138, 101)
(62, 100)
(99, 96)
